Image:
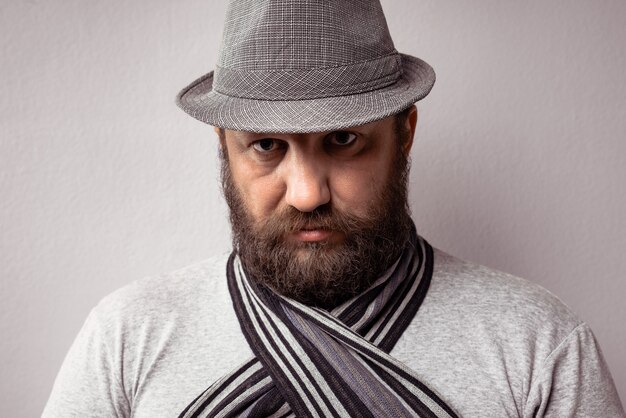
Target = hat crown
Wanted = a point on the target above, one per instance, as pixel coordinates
(284, 35)
(305, 66)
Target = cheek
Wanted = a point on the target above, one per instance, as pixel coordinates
(355, 191)
(360, 186)
(260, 194)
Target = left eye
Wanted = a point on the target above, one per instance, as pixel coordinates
(341, 138)
(264, 145)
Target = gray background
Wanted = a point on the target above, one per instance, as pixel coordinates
(518, 164)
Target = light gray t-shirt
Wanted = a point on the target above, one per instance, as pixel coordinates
(492, 345)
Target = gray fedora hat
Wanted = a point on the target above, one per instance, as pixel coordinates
(305, 66)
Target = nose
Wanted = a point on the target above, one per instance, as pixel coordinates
(307, 184)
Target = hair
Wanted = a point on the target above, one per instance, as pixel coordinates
(401, 130)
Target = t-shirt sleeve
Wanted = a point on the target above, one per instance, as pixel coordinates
(574, 381)
(89, 382)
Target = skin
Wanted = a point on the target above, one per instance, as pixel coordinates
(346, 169)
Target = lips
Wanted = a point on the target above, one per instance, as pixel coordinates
(312, 235)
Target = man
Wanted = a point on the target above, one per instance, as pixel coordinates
(330, 304)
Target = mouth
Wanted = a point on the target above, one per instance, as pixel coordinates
(313, 235)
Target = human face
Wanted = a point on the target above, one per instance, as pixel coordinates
(311, 212)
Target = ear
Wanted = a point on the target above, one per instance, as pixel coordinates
(411, 123)
(221, 134)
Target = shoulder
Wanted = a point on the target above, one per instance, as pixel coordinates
(154, 327)
(494, 296)
(177, 327)
(479, 315)
(498, 345)
(181, 289)
(165, 310)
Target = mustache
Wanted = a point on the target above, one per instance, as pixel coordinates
(324, 217)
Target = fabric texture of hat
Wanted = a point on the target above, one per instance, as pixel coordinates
(305, 66)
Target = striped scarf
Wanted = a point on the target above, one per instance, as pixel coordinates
(312, 363)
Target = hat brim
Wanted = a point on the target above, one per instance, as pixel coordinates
(313, 115)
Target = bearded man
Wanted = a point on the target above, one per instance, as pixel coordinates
(330, 304)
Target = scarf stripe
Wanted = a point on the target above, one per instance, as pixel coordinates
(288, 376)
(409, 402)
(313, 363)
(375, 394)
(401, 312)
(223, 386)
(285, 373)
(385, 363)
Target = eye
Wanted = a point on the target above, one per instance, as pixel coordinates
(265, 145)
(341, 138)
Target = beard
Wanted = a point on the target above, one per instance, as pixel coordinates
(322, 274)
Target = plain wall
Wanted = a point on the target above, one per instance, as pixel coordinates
(518, 162)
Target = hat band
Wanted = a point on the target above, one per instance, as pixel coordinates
(303, 84)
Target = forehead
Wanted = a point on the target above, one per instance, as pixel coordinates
(382, 126)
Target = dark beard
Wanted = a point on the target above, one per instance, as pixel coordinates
(320, 274)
